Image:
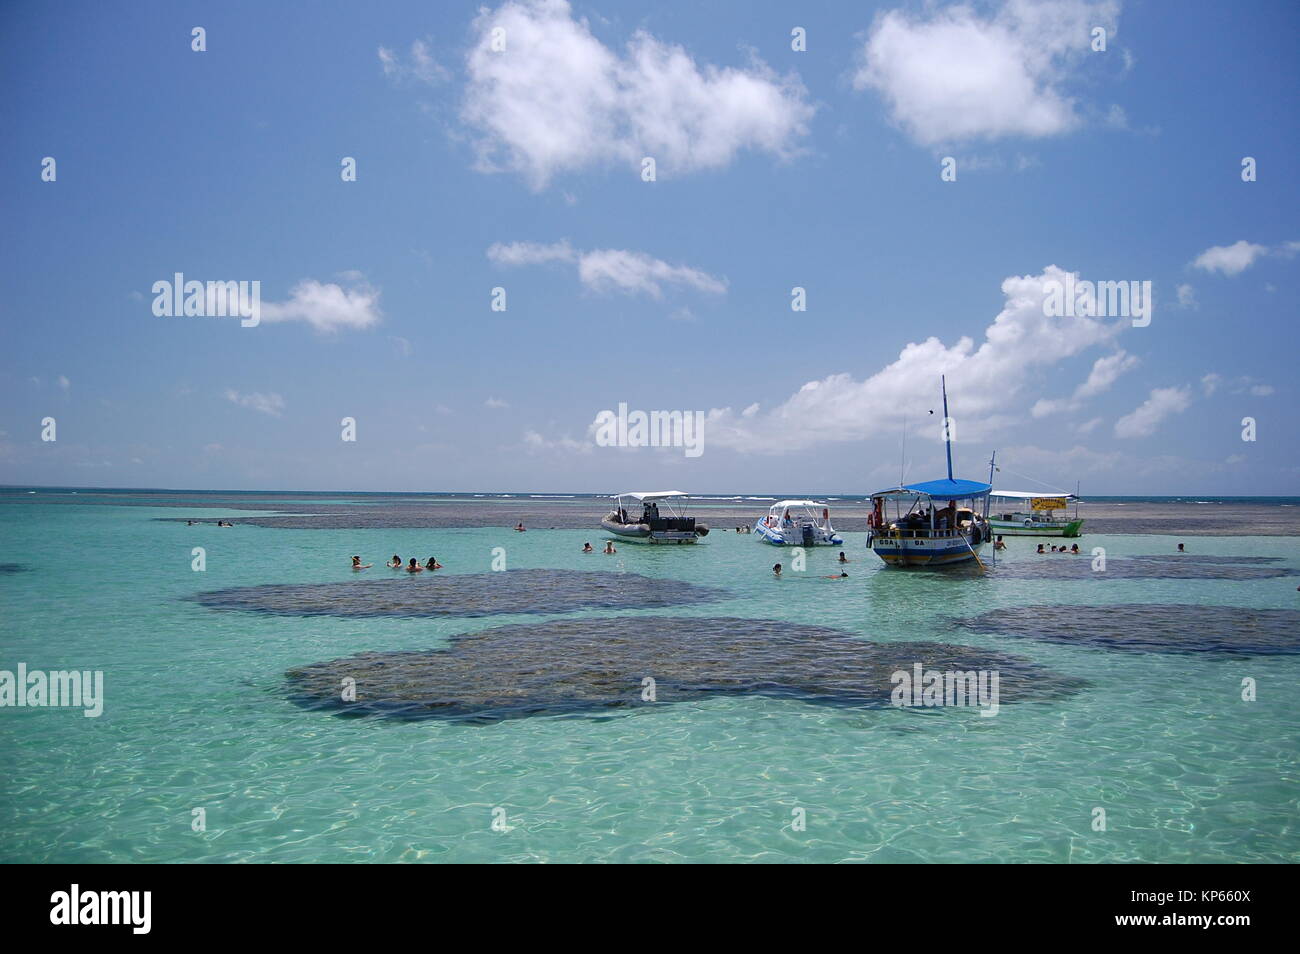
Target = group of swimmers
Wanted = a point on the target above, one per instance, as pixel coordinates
(220, 523)
(608, 551)
(1060, 549)
(413, 566)
(776, 569)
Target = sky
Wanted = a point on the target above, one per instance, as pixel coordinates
(922, 172)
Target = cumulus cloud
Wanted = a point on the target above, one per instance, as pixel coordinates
(1229, 259)
(326, 306)
(557, 99)
(987, 379)
(495, 403)
(609, 270)
(270, 403)
(953, 74)
(1160, 404)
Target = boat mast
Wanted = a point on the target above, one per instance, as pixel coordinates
(947, 431)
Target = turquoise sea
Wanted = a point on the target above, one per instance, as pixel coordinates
(197, 713)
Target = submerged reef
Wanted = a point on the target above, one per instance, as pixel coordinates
(584, 666)
(439, 594)
(1151, 628)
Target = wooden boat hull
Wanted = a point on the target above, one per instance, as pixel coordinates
(1056, 528)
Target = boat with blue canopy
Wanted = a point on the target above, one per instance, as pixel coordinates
(932, 523)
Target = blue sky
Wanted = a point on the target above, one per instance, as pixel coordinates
(521, 169)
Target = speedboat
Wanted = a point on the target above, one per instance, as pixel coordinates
(1023, 513)
(795, 523)
(653, 517)
(933, 523)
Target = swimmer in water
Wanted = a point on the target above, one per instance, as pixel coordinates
(587, 548)
(1075, 548)
(1040, 549)
(520, 526)
(776, 569)
(998, 544)
(414, 567)
(358, 565)
(433, 564)
(395, 562)
(1180, 548)
(842, 576)
(609, 546)
(843, 558)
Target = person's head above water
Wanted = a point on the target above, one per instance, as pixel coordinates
(776, 568)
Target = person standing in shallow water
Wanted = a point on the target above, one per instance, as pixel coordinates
(1180, 548)
(776, 569)
(414, 566)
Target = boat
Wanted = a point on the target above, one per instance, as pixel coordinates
(1024, 513)
(796, 523)
(637, 517)
(935, 522)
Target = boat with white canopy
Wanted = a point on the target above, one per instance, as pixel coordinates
(657, 516)
(1025, 513)
(799, 523)
(933, 523)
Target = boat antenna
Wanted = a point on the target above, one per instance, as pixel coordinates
(992, 468)
(947, 431)
(902, 455)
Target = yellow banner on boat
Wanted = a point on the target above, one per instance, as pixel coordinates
(1048, 503)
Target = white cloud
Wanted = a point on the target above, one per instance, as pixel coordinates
(1187, 297)
(326, 307)
(1242, 385)
(495, 403)
(952, 74)
(986, 380)
(1229, 259)
(421, 66)
(1160, 404)
(64, 383)
(270, 403)
(558, 100)
(531, 253)
(1105, 371)
(536, 443)
(610, 270)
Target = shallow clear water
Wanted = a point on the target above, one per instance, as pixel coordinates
(197, 716)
